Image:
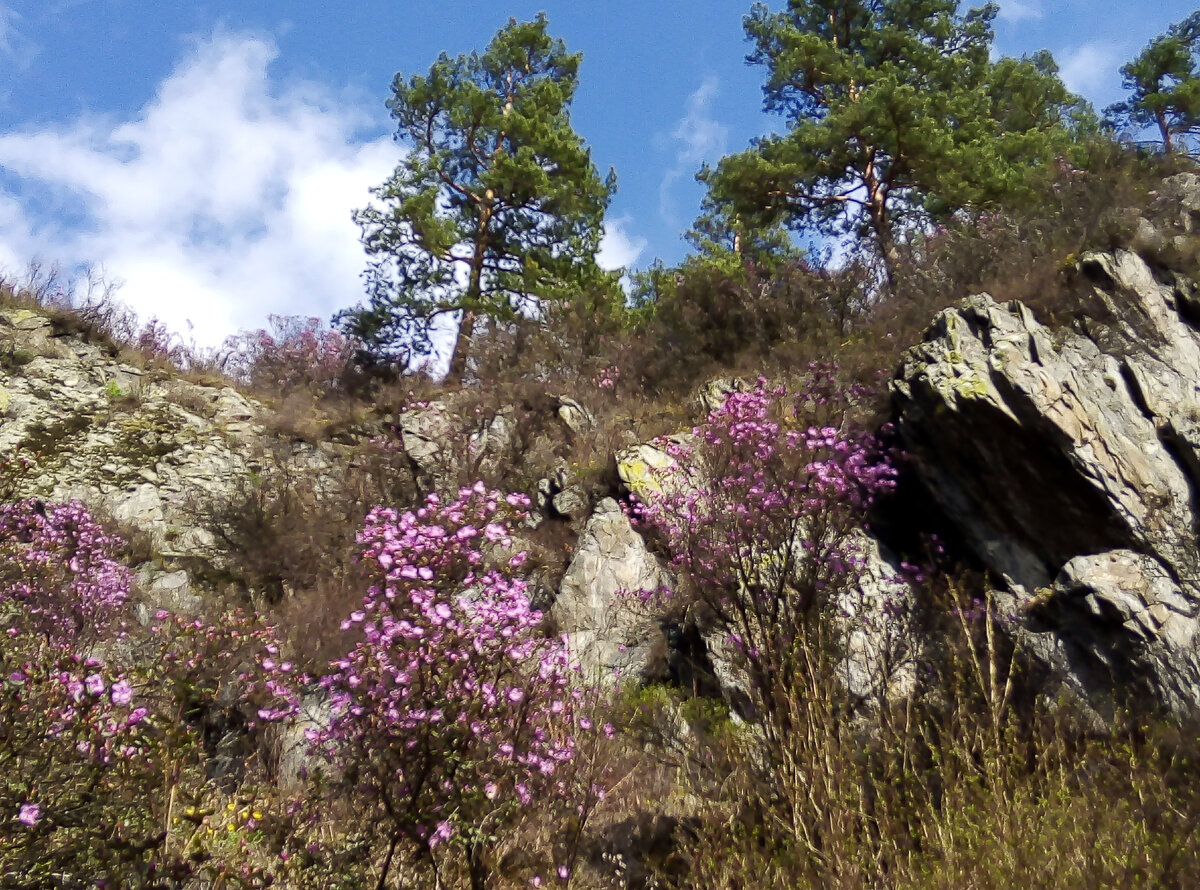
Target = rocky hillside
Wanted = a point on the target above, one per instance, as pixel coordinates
(1062, 461)
(138, 443)
(972, 596)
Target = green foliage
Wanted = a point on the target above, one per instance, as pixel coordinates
(894, 112)
(1164, 85)
(497, 208)
(726, 243)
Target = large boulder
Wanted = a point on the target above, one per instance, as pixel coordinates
(602, 600)
(1122, 620)
(1044, 446)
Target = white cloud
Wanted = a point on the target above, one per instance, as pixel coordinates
(1092, 70)
(227, 198)
(701, 136)
(1020, 10)
(618, 248)
(697, 138)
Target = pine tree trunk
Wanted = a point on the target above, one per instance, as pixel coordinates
(1165, 129)
(462, 348)
(885, 239)
(890, 256)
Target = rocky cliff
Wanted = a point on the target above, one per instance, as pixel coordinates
(1068, 461)
(139, 443)
(1063, 461)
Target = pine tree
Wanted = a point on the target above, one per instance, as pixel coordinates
(893, 115)
(496, 210)
(1164, 85)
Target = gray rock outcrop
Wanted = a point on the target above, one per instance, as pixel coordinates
(143, 445)
(137, 444)
(1069, 462)
(615, 637)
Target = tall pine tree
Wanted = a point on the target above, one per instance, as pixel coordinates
(1164, 85)
(893, 114)
(496, 210)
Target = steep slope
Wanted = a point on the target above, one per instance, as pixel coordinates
(142, 445)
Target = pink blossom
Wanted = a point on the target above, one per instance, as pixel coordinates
(121, 693)
(29, 814)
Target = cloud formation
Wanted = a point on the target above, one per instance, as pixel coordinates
(1092, 70)
(619, 249)
(697, 138)
(8, 19)
(227, 198)
(1020, 10)
(17, 51)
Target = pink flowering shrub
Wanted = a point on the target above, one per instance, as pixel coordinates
(58, 573)
(758, 515)
(75, 740)
(223, 676)
(608, 377)
(77, 757)
(104, 737)
(453, 713)
(769, 493)
(296, 353)
(159, 343)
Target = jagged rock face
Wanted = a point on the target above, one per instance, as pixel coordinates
(881, 644)
(1069, 461)
(113, 435)
(1122, 619)
(614, 636)
(146, 447)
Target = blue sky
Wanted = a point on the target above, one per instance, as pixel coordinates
(207, 154)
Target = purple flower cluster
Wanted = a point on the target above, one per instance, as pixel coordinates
(770, 495)
(57, 565)
(608, 377)
(296, 352)
(453, 707)
(67, 720)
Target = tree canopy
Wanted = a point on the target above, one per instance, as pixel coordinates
(894, 113)
(495, 210)
(1164, 85)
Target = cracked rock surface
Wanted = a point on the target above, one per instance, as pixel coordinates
(1069, 461)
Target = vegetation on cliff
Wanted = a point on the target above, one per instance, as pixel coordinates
(370, 689)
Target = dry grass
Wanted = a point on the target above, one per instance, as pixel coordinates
(965, 786)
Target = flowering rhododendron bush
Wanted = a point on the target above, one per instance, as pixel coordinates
(103, 751)
(75, 744)
(77, 760)
(58, 575)
(759, 513)
(130, 751)
(295, 353)
(453, 713)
